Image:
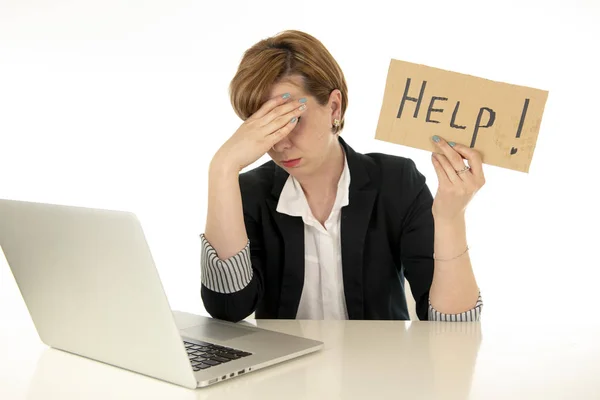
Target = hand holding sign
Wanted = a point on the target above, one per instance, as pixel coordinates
(500, 120)
(457, 183)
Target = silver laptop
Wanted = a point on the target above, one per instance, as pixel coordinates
(91, 287)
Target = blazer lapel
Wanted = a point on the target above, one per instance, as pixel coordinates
(354, 225)
(292, 230)
(355, 219)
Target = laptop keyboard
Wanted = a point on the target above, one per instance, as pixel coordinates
(205, 355)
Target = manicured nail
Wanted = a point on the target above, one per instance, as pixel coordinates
(302, 100)
(286, 96)
(294, 120)
(452, 144)
(436, 138)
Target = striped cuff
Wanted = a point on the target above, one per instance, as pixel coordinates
(225, 276)
(467, 316)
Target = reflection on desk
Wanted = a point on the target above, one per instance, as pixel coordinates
(360, 360)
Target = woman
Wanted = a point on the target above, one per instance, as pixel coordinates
(321, 231)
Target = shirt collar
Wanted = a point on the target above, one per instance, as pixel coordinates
(292, 200)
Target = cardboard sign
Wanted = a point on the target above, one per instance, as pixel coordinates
(499, 120)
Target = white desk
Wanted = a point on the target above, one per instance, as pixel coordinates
(361, 360)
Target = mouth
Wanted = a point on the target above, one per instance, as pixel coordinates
(291, 163)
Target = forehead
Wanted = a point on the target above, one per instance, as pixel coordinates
(292, 85)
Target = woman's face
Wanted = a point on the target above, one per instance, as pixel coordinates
(311, 141)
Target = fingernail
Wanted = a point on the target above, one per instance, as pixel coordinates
(436, 138)
(302, 100)
(286, 96)
(451, 144)
(294, 120)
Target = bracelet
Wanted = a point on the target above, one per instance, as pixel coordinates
(450, 259)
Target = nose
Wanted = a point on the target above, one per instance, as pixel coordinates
(282, 145)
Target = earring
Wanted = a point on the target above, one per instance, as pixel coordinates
(336, 122)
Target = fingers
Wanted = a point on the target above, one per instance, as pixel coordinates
(278, 115)
(446, 167)
(473, 157)
(282, 132)
(440, 171)
(282, 120)
(269, 105)
(276, 118)
(452, 156)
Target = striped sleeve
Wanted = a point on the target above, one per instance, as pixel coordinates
(467, 316)
(224, 276)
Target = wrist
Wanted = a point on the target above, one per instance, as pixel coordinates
(450, 237)
(219, 167)
(456, 221)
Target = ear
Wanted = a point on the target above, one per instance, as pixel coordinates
(335, 101)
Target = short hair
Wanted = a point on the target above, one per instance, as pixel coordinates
(275, 59)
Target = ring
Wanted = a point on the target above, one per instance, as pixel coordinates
(460, 171)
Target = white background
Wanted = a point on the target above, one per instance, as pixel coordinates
(121, 104)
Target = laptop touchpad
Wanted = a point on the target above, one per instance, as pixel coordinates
(217, 331)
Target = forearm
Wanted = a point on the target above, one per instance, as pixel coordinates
(231, 306)
(454, 288)
(225, 229)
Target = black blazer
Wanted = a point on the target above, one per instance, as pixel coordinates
(386, 235)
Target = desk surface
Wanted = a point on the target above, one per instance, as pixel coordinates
(361, 359)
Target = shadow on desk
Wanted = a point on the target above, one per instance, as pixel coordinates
(361, 359)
